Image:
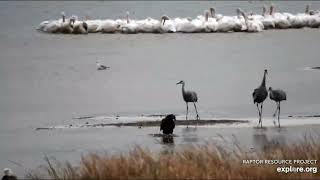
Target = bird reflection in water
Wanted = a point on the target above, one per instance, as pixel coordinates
(167, 139)
(190, 135)
(265, 143)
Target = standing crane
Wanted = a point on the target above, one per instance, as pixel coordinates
(277, 95)
(189, 96)
(259, 95)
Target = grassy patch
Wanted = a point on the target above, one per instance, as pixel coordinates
(193, 162)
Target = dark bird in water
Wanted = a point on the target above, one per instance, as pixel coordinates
(277, 95)
(8, 175)
(189, 96)
(167, 124)
(101, 66)
(259, 95)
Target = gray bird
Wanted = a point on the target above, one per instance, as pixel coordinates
(259, 95)
(189, 96)
(277, 95)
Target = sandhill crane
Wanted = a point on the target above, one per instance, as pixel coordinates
(277, 95)
(259, 95)
(167, 124)
(189, 96)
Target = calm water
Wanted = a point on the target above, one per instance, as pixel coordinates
(49, 79)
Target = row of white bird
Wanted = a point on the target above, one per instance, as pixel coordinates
(209, 22)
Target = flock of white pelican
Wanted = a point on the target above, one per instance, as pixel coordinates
(209, 22)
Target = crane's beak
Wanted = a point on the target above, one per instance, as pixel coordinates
(178, 83)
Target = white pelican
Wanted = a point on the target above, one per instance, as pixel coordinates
(281, 21)
(108, 26)
(79, 27)
(230, 23)
(239, 22)
(179, 22)
(299, 20)
(205, 23)
(93, 24)
(167, 25)
(130, 27)
(313, 20)
(148, 25)
(121, 22)
(187, 25)
(252, 25)
(51, 26)
(210, 24)
(267, 20)
(225, 24)
(42, 25)
(66, 26)
(214, 15)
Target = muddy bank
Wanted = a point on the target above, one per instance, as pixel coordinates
(178, 122)
(305, 116)
(149, 124)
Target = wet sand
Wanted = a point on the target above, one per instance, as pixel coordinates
(141, 124)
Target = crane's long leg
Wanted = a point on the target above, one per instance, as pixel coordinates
(259, 114)
(275, 112)
(187, 113)
(279, 115)
(198, 118)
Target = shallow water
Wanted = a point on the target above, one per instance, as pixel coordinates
(49, 79)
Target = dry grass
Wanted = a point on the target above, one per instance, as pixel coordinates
(195, 162)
